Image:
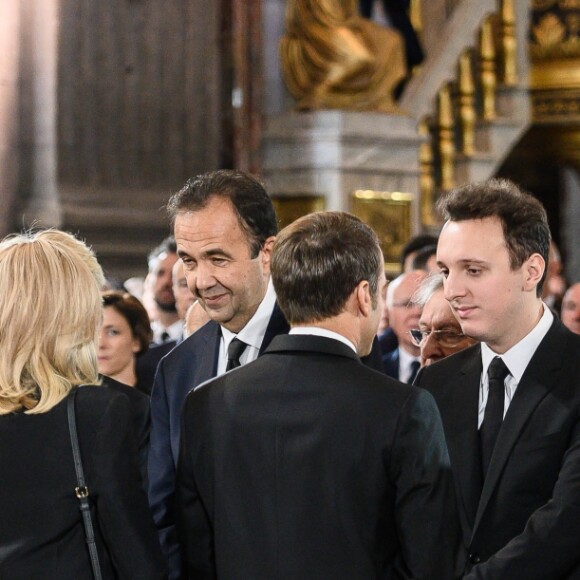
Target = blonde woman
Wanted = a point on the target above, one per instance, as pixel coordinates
(50, 314)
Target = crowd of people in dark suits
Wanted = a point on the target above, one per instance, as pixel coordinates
(311, 420)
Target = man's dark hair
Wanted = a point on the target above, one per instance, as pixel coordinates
(421, 258)
(523, 218)
(251, 203)
(416, 243)
(318, 261)
(167, 246)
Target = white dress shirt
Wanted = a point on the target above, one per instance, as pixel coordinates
(317, 331)
(406, 359)
(516, 360)
(175, 331)
(252, 334)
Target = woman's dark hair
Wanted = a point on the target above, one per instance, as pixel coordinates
(131, 309)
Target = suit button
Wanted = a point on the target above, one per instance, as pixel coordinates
(474, 558)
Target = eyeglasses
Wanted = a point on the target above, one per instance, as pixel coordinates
(446, 338)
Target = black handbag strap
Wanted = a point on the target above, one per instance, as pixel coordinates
(82, 491)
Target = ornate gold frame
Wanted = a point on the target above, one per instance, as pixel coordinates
(389, 214)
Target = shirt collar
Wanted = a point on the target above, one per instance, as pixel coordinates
(518, 356)
(255, 329)
(317, 331)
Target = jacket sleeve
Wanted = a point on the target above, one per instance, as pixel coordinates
(123, 514)
(548, 545)
(161, 471)
(425, 509)
(193, 522)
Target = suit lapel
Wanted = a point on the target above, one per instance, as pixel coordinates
(538, 379)
(464, 440)
(277, 325)
(207, 355)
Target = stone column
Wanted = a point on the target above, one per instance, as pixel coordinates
(39, 54)
(9, 110)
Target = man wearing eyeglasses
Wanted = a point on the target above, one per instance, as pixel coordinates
(403, 363)
(439, 334)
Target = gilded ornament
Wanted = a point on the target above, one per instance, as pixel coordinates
(332, 58)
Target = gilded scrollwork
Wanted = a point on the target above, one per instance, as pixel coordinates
(555, 32)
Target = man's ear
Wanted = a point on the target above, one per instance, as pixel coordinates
(266, 253)
(533, 270)
(364, 298)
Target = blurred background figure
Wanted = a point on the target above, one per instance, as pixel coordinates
(195, 318)
(413, 247)
(184, 298)
(47, 351)
(125, 333)
(403, 362)
(387, 339)
(165, 321)
(571, 308)
(439, 333)
(555, 285)
(426, 259)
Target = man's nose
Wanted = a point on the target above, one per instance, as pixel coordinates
(452, 287)
(430, 347)
(204, 276)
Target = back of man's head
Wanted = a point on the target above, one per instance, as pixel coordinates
(319, 260)
(249, 199)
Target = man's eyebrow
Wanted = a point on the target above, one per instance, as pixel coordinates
(217, 252)
(464, 261)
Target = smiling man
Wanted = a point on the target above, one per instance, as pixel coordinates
(510, 406)
(225, 226)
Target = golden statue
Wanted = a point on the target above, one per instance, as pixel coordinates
(333, 58)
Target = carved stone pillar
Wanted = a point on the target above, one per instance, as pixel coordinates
(9, 110)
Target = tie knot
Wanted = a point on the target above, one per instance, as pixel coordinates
(497, 370)
(235, 350)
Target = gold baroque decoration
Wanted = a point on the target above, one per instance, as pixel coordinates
(543, 4)
(550, 38)
(332, 58)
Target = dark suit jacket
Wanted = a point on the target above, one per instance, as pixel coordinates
(146, 364)
(391, 364)
(525, 520)
(388, 341)
(189, 364)
(307, 464)
(41, 530)
(141, 420)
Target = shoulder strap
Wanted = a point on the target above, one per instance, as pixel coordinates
(82, 491)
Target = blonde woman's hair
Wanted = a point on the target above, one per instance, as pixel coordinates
(50, 313)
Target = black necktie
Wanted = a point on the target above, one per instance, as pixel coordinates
(414, 370)
(493, 416)
(235, 351)
(165, 336)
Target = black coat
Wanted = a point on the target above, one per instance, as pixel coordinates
(41, 531)
(308, 464)
(524, 521)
